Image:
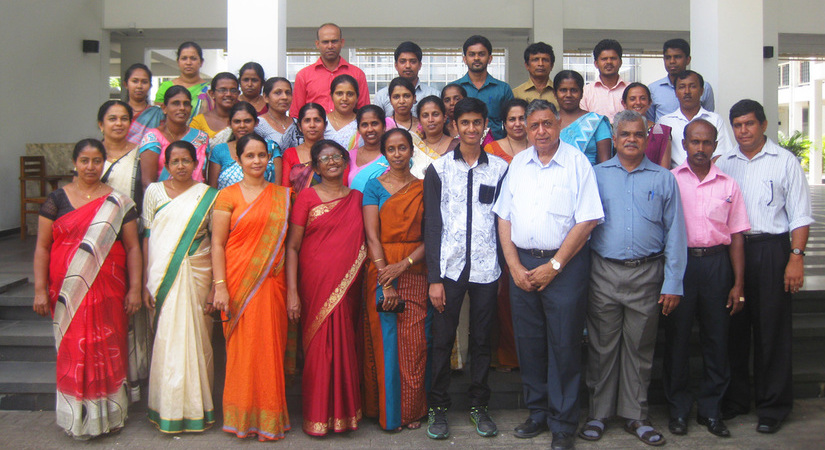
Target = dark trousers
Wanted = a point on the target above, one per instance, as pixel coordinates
(548, 330)
(765, 321)
(707, 282)
(444, 324)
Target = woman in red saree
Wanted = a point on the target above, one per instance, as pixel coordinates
(249, 225)
(87, 244)
(395, 343)
(325, 254)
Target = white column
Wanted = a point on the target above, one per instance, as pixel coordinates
(256, 31)
(815, 133)
(132, 51)
(726, 38)
(548, 27)
(770, 91)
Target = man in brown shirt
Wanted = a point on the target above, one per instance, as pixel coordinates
(538, 60)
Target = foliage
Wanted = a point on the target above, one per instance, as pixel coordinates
(799, 145)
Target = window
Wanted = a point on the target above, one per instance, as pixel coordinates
(784, 75)
(440, 66)
(804, 72)
(583, 64)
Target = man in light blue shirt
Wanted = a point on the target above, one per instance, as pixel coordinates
(547, 207)
(663, 92)
(478, 53)
(407, 63)
(639, 260)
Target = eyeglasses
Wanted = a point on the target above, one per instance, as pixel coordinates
(326, 159)
(227, 91)
(181, 162)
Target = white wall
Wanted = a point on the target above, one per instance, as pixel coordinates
(51, 90)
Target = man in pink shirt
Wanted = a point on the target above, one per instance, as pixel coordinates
(312, 82)
(714, 282)
(604, 96)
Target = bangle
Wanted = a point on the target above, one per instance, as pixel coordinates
(409, 258)
(217, 282)
(376, 260)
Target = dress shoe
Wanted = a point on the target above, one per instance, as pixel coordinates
(529, 429)
(715, 426)
(562, 441)
(678, 426)
(768, 425)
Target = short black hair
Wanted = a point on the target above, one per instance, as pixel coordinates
(539, 47)
(318, 147)
(633, 85)
(745, 107)
(470, 105)
(408, 47)
(477, 39)
(568, 75)
(185, 145)
(406, 134)
(607, 44)
(375, 109)
(684, 74)
(253, 66)
(693, 123)
(677, 43)
(223, 76)
(453, 86)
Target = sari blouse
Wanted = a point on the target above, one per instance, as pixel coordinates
(231, 172)
(156, 142)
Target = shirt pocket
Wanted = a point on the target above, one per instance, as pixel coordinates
(649, 205)
(717, 210)
(773, 196)
(560, 201)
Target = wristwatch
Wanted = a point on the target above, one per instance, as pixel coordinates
(798, 251)
(555, 264)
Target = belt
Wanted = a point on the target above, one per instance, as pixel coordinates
(536, 253)
(636, 262)
(707, 251)
(760, 237)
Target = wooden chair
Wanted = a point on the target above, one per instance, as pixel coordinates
(33, 169)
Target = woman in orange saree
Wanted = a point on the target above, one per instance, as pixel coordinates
(248, 230)
(325, 254)
(396, 343)
(87, 244)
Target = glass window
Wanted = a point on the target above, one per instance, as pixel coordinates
(804, 72)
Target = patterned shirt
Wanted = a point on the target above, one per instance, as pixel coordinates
(459, 223)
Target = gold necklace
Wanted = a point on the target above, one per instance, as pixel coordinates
(277, 122)
(89, 195)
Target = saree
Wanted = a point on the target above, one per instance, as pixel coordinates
(330, 291)
(359, 176)
(87, 289)
(347, 136)
(201, 102)
(423, 156)
(254, 399)
(156, 142)
(147, 119)
(179, 274)
(585, 132)
(658, 142)
(396, 344)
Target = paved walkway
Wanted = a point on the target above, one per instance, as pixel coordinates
(21, 429)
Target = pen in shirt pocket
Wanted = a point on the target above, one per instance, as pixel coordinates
(651, 195)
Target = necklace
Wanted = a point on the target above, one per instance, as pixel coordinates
(277, 122)
(401, 125)
(510, 144)
(89, 194)
(436, 147)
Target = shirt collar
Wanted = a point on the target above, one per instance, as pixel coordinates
(713, 173)
(768, 149)
(646, 164)
(466, 80)
(702, 114)
(598, 82)
(532, 86)
(457, 155)
(341, 63)
(560, 157)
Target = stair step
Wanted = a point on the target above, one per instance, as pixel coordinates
(26, 333)
(16, 303)
(25, 377)
(11, 281)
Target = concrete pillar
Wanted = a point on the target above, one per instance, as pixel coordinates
(133, 51)
(256, 31)
(815, 133)
(770, 91)
(548, 27)
(726, 37)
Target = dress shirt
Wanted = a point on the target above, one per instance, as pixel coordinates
(543, 202)
(493, 93)
(774, 186)
(528, 91)
(457, 198)
(313, 81)
(382, 97)
(600, 99)
(663, 99)
(677, 123)
(713, 208)
(643, 216)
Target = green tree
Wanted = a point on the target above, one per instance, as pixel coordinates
(799, 145)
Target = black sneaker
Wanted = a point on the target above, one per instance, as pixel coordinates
(437, 427)
(481, 419)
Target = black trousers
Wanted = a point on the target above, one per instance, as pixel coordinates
(548, 330)
(707, 282)
(765, 321)
(444, 324)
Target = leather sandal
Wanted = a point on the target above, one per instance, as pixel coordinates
(647, 432)
(591, 426)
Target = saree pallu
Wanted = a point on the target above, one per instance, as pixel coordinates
(179, 273)
(358, 176)
(148, 118)
(585, 132)
(254, 400)
(87, 289)
(155, 141)
(330, 261)
(395, 358)
(422, 157)
(201, 102)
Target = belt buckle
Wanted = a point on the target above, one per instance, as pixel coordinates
(633, 263)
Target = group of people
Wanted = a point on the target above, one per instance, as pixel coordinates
(320, 230)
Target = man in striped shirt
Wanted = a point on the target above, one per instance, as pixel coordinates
(779, 208)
